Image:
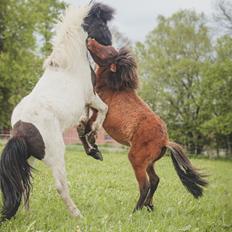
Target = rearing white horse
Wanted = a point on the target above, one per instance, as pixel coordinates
(56, 103)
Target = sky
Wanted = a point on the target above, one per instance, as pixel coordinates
(136, 18)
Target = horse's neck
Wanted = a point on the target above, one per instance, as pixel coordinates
(104, 93)
(79, 70)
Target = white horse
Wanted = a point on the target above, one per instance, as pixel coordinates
(56, 103)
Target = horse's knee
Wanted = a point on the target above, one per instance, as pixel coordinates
(59, 185)
(103, 108)
(154, 180)
(59, 188)
(81, 127)
(138, 162)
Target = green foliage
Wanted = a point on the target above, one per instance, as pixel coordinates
(171, 60)
(188, 81)
(47, 13)
(21, 24)
(106, 192)
(218, 105)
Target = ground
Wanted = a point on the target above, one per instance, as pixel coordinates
(106, 193)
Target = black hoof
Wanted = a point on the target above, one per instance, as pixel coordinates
(136, 209)
(149, 207)
(96, 154)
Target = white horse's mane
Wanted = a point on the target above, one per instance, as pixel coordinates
(69, 41)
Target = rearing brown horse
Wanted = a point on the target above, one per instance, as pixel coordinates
(131, 122)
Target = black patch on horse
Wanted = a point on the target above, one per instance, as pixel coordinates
(33, 138)
(15, 171)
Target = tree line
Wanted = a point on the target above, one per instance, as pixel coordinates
(186, 74)
(25, 36)
(185, 70)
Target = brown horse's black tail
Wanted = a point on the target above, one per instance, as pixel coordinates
(189, 176)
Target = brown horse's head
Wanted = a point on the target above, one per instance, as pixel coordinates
(118, 68)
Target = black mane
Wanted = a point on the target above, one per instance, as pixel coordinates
(125, 77)
(95, 23)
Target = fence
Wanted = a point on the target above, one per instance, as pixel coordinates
(70, 137)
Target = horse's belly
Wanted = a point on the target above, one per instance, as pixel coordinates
(117, 136)
(68, 110)
(66, 99)
(122, 118)
(117, 130)
(33, 108)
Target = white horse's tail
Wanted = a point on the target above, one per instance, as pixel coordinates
(15, 175)
(15, 172)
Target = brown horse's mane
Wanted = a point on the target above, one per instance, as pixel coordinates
(125, 77)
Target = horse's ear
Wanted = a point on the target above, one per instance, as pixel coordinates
(113, 68)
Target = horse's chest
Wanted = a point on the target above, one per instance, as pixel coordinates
(62, 95)
(115, 126)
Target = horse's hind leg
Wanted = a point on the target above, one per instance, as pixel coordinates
(153, 178)
(154, 181)
(54, 158)
(139, 165)
(62, 188)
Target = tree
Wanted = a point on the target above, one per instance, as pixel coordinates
(47, 13)
(119, 39)
(20, 58)
(218, 105)
(170, 65)
(223, 15)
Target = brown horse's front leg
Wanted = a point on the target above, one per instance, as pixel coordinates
(87, 137)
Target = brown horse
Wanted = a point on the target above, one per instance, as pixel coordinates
(131, 122)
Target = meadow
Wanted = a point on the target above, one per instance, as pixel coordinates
(106, 193)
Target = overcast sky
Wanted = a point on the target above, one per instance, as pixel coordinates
(135, 18)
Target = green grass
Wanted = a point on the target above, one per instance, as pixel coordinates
(106, 193)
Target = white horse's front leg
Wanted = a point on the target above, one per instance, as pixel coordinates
(81, 127)
(102, 109)
(87, 135)
(85, 116)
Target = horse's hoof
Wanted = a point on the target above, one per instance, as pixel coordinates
(76, 213)
(96, 154)
(135, 210)
(149, 207)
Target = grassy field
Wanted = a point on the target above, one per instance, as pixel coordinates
(106, 193)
